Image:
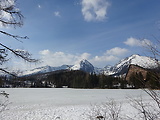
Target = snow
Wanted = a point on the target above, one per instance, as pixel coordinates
(122, 67)
(76, 67)
(84, 65)
(142, 61)
(62, 103)
(45, 69)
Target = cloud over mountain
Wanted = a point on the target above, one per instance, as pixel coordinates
(110, 56)
(117, 51)
(59, 58)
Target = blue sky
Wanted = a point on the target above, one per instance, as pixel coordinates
(101, 31)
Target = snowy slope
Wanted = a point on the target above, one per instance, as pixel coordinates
(46, 69)
(84, 65)
(143, 61)
(122, 67)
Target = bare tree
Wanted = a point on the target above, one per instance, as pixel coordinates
(150, 110)
(154, 49)
(110, 110)
(10, 16)
(146, 110)
(3, 101)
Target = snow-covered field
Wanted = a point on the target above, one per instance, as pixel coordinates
(62, 103)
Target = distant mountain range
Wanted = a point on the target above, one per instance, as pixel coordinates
(84, 65)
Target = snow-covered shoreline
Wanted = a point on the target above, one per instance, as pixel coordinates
(63, 104)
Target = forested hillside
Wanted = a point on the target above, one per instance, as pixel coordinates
(81, 79)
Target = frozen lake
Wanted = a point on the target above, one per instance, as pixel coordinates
(60, 103)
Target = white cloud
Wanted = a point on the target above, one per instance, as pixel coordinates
(136, 42)
(60, 58)
(44, 52)
(109, 57)
(104, 58)
(94, 10)
(101, 61)
(39, 6)
(117, 51)
(57, 13)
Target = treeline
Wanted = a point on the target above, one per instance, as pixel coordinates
(152, 80)
(70, 79)
(80, 79)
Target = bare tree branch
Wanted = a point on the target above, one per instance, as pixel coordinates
(14, 36)
(5, 71)
(22, 54)
(14, 16)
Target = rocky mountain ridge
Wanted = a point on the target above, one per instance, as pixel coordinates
(84, 65)
(122, 67)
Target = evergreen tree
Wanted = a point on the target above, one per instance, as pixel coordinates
(152, 80)
(137, 80)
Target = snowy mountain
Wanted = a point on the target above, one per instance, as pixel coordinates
(84, 65)
(107, 70)
(119, 69)
(122, 67)
(45, 69)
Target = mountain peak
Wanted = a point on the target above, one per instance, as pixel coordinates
(45, 69)
(135, 55)
(84, 65)
(142, 61)
(84, 61)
